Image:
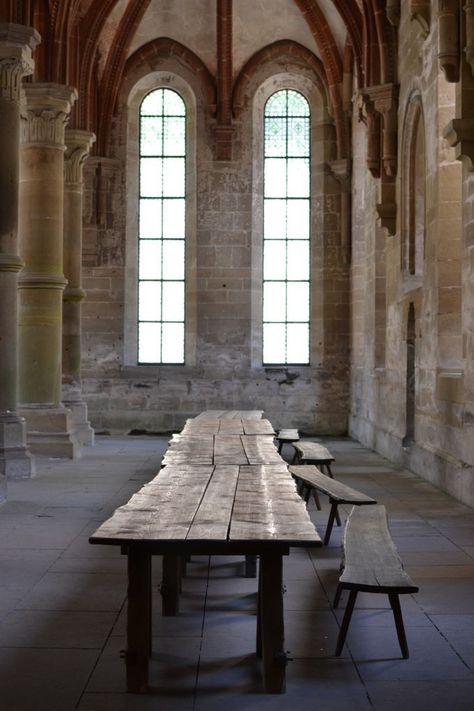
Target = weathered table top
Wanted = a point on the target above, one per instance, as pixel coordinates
(215, 504)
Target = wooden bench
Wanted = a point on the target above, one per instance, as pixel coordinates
(313, 480)
(286, 437)
(371, 564)
(313, 453)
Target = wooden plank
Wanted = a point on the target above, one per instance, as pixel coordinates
(371, 560)
(257, 427)
(212, 519)
(267, 507)
(228, 449)
(163, 509)
(335, 489)
(313, 451)
(259, 449)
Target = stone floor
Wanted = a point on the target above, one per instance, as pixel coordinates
(62, 615)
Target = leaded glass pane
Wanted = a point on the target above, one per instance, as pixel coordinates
(174, 136)
(149, 300)
(274, 343)
(298, 137)
(297, 304)
(276, 104)
(275, 219)
(298, 177)
(150, 259)
(173, 177)
(174, 219)
(275, 177)
(297, 339)
(149, 339)
(173, 103)
(152, 105)
(150, 177)
(297, 104)
(173, 343)
(275, 136)
(161, 289)
(298, 219)
(151, 137)
(274, 259)
(298, 260)
(286, 229)
(173, 259)
(274, 308)
(150, 219)
(173, 301)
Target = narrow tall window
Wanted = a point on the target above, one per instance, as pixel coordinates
(286, 229)
(161, 268)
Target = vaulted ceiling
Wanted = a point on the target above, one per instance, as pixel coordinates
(88, 43)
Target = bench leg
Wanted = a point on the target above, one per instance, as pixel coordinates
(332, 515)
(337, 596)
(397, 613)
(138, 620)
(171, 583)
(271, 623)
(328, 467)
(316, 499)
(345, 622)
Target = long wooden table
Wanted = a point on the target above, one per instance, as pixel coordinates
(215, 507)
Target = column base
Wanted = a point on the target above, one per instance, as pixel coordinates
(51, 432)
(16, 461)
(84, 432)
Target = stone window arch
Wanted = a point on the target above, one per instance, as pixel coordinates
(143, 88)
(413, 198)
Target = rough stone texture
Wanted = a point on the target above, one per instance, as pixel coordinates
(223, 367)
(442, 450)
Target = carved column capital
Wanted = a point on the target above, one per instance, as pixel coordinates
(342, 171)
(46, 113)
(459, 133)
(384, 99)
(16, 62)
(78, 145)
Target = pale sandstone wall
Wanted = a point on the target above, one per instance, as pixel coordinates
(442, 450)
(223, 369)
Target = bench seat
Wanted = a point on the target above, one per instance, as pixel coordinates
(371, 564)
(338, 493)
(286, 437)
(313, 453)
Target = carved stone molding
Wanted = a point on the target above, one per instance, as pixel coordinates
(41, 280)
(373, 140)
(420, 11)
(384, 99)
(469, 25)
(78, 145)
(448, 38)
(73, 294)
(342, 171)
(46, 114)
(392, 10)
(459, 134)
(387, 213)
(16, 45)
(11, 263)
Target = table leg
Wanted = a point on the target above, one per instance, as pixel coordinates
(271, 623)
(138, 619)
(171, 583)
(250, 566)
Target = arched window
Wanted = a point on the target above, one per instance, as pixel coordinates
(161, 228)
(286, 229)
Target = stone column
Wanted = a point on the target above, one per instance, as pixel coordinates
(50, 426)
(78, 144)
(16, 45)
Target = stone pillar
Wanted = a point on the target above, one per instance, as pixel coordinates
(78, 144)
(16, 45)
(50, 426)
